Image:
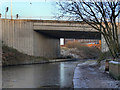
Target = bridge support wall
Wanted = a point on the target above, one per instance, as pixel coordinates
(46, 46)
(104, 44)
(19, 34)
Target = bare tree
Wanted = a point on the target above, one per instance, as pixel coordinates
(101, 15)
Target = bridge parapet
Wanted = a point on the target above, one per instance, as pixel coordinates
(63, 27)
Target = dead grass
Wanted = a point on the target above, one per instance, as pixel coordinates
(12, 56)
(103, 56)
(83, 51)
(73, 44)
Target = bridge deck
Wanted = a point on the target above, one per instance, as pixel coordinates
(63, 27)
(66, 30)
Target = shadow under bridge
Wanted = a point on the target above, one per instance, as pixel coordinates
(48, 34)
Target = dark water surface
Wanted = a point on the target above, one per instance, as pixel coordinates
(39, 75)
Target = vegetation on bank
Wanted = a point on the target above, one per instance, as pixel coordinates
(86, 52)
(11, 56)
(103, 56)
(83, 51)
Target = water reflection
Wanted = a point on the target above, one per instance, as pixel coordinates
(62, 74)
(40, 75)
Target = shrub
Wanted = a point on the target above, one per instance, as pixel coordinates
(84, 51)
(103, 56)
(73, 44)
(89, 52)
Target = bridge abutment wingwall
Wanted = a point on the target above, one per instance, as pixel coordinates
(19, 34)
(104, 46)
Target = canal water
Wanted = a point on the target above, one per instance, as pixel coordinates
(58, 74)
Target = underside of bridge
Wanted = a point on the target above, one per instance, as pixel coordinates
(47, 42)
(70, 34)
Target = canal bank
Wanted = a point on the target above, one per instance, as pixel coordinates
(11, 57)
(41, 62)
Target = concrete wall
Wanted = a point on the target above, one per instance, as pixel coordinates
(63, 26)
(46, 46)
(114, 69)
(20, 35)
(104, 46)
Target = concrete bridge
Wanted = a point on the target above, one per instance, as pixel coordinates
(42, 37)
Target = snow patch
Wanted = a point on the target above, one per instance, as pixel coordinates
(88, 63)
(102, 67)
(114, 62)
(94, 63)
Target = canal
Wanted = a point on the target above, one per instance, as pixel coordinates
(58, 74)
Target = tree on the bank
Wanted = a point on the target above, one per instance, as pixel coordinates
(102, 16)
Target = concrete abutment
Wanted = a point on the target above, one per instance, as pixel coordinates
(19, 34)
